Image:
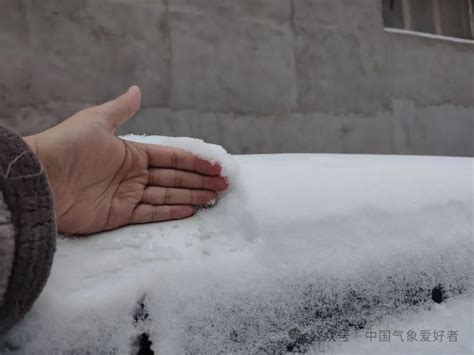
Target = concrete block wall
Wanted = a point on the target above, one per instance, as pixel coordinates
(256, 76)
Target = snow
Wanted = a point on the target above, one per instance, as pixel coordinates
(429, 35)
(444, 319)
(303, 248)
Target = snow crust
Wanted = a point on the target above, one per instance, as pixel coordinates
(302, 249)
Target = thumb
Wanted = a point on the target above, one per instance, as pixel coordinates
(119, 110)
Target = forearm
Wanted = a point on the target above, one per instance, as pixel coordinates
(27, 227)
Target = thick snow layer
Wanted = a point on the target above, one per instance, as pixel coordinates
(304, 249)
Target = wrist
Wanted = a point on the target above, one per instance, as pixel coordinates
(54, 170)
(32, 142)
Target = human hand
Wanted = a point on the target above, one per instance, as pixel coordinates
(101, 182)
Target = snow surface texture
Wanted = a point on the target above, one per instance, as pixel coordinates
(303, 249)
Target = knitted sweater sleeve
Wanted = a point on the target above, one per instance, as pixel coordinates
(27, 228)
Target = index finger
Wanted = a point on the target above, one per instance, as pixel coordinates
(167, 157)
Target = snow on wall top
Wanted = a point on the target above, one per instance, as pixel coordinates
(429, 35)
(304, 247)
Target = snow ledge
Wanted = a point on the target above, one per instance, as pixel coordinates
(428, 35)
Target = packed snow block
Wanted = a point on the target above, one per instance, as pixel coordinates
(302, 251)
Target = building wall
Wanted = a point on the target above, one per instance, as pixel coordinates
(255, 76)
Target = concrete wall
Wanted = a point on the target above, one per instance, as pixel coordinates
(253, 75)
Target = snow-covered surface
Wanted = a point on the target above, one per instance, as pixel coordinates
(439, 325)
(429, 35)
(303, 249)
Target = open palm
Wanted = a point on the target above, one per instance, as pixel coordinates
(102, 182)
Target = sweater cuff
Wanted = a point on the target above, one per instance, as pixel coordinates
(28, 197)
(7, 246)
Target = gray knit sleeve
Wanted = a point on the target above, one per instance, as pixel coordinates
(27, 228)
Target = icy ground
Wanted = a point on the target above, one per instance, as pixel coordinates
(306, 253)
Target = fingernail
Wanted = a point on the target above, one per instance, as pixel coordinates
(208, 204)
